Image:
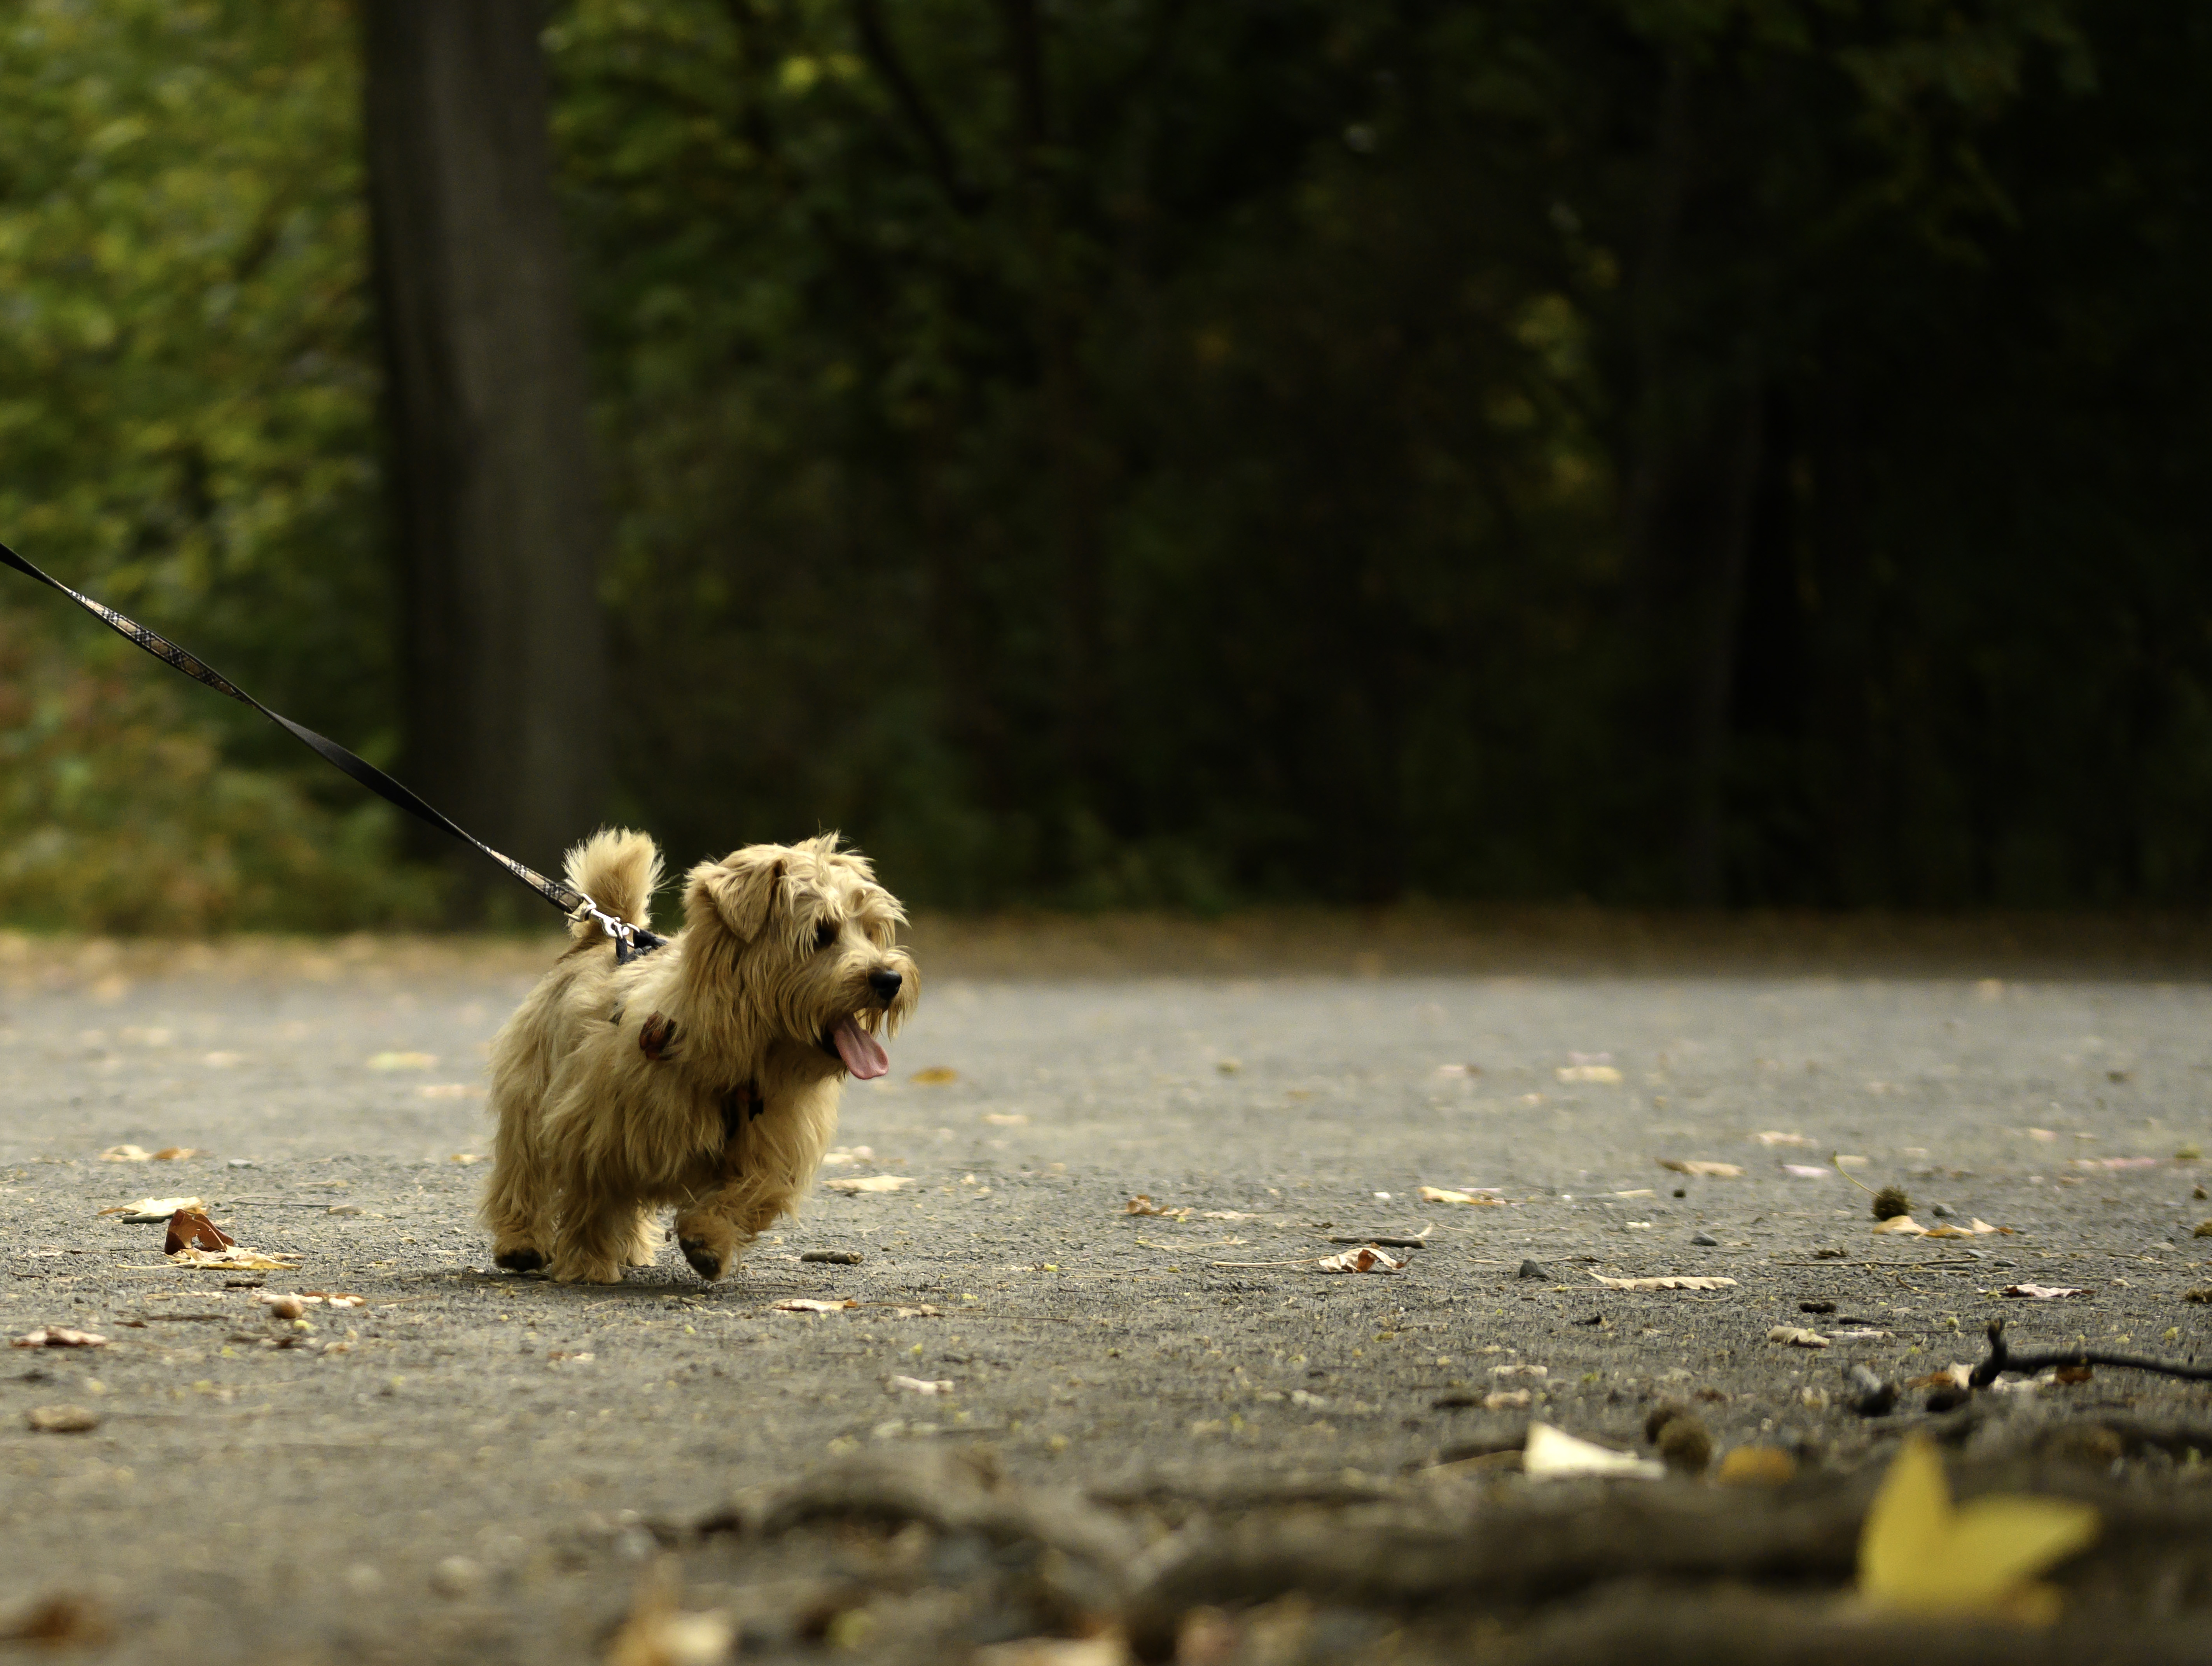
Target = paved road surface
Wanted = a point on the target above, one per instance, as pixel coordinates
(476, 1467)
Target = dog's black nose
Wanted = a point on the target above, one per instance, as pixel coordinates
(886, 984)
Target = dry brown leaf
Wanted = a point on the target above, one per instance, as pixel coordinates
(1771, 1137)
(2043, 1292)
(190, 1229)
(155, 1208)
(126, 1154)
(1367, 1259)
(936, 1076)
(1711, 1170)
(1142, 1204)
(1007, 1119)
(400, 1060)
(1901, 1226)
(1441, 1195)
(1550, 1453)
(1507, 1400)
(921, 1385)
(1797, 1336)
(239, 1259)
(1951, 1377)
(59, 1336)
(924, 1311)
(1669, 1283)
(1604, 1073)
(871, 1183)
(62, 1419)
(1756, 1466)
(808, 1304)
(659, 1632)
(175, 1153)
(59, 1620)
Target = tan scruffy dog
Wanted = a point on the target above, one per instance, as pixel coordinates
(703, 1074)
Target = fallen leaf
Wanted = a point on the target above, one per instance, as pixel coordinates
(1367, 1259)
(1459, 1070)
(871, 1182)
(175, 1153)
(1774, 1138)
(1947, 1232)
(1712, 1170)
(936, 1076)
(1142, 1204)
(1904, 1226)
(449, 1090)
(844, 1156)
(61, 1619)
(1918, 1552)
(921, 1385)
(1981, 1228)
(1006, 1119)
(1589, 1072)
(59, 1336)
(1805, 1170)
(465, 1158)
(62, 1419)
(2076, 1373)
(1674, 1282)
(1848, 1162)
(126, 1154)
(400, 1060)
(191, 1229)
(1507, 1400)
(2043, 1292)
(1552, 1454)
(1797, 1336)
(1951, 1377)
(1440, 1195)
(2203, 1230)
(924, 1311)
(809, 1304)
(239, 1260)
(155, 1208)
(1226, 1214)
(659, 1632)
(1521, 1370)
(2118, 1162)
(1756, 1466)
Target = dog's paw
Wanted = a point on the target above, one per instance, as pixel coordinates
(707, 1262)
(521, 1259)
(580, 1270)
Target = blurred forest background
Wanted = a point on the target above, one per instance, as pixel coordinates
(1137, 453)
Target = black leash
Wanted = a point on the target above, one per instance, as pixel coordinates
(630, 940)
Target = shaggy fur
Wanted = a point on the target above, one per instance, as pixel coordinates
(705, 1074)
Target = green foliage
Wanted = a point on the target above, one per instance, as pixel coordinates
(187, 395)
(1128, 451)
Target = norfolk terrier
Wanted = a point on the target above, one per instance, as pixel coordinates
(704, 1073)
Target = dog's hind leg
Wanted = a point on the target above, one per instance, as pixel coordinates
(517, 1199)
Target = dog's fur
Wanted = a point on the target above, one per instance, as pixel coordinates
(704, 1075)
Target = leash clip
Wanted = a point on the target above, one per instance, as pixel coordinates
(631, 941)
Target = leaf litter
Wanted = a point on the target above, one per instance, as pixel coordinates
(1668, 1282)
(871, 1182)
(149, 1209)
(59, 1336)
(1551, 1454)
(1698, 1166)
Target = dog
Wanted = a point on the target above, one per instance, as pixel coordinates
(704, 1073)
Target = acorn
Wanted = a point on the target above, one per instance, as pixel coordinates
(1890, 1202)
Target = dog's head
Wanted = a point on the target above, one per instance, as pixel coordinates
(805, 935)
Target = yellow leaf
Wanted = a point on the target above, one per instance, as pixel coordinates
(1917, 1552)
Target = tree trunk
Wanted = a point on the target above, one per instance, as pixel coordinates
(499, 520)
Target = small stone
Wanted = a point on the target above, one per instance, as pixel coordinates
(1705, 1238)
(62, 1419)
(1940, 1211)
(1530, 1270)
(457, 1577)
(1816, 1307)
(240, 1162)
(286, 1306)
(2203, 1230)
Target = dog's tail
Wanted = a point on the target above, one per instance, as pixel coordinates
(619, 870)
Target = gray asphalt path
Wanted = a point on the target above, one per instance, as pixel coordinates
(471, 1466)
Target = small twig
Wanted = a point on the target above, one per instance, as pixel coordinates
(1839, 1163)
(2002, 1360)
(1383, 1243)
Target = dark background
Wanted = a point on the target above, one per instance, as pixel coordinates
(1118, 452)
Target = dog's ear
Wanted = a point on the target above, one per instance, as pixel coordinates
(740, 889)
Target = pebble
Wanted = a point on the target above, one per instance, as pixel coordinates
(457, 1575)
(1942, 1211)
(1530, 1270)
(1706, 1240)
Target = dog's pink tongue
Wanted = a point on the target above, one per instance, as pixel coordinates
(863, 1054)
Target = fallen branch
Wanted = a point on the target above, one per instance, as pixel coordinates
(2002, 1360)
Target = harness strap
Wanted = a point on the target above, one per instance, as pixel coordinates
(630, 940)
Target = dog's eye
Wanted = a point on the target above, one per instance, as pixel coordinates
(825, 933)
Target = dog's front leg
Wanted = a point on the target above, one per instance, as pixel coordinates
(596, 1239)
(714, 1231)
